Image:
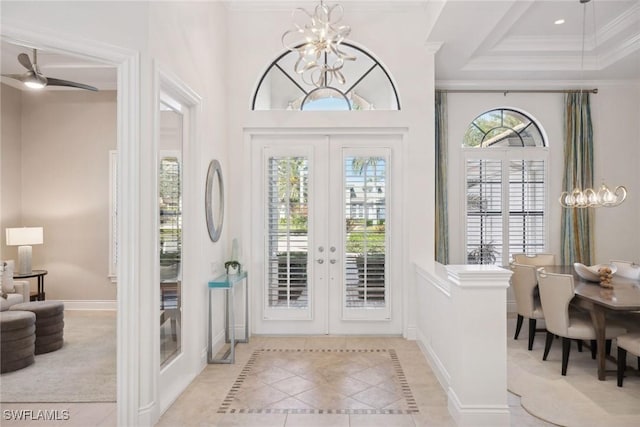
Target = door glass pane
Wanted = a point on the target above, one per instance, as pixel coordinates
(365, 230)
(484, 211)
(287, 244)
(170, 205)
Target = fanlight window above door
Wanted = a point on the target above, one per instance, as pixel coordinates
(368, 86)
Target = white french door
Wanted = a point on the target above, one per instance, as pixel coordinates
(323, 216)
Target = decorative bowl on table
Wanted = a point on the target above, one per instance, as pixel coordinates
(591, 273)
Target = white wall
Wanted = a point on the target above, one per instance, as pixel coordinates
(462, 332)
(186, 40)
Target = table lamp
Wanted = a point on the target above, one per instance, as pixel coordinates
(24, 237)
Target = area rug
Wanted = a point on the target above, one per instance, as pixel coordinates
(83, 370)
(321, 381)
(577, 399)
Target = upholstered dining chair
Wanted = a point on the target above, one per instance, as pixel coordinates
(556, 292)
(535, 259)
(627, 343)
(524, 283)
(628, 269)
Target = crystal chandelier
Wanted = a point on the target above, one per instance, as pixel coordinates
(589, 198)
(317, 43)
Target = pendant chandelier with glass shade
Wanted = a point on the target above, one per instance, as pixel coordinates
(320, 59)
(588, 197)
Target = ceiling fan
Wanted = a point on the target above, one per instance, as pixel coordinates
(34, 79)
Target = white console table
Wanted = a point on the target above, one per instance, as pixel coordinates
(228, 282)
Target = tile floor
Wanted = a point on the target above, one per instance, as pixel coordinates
(378, 382)
(321, 381)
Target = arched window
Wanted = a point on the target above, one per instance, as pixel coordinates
(368, 86)
(503, 127)
(506, 197)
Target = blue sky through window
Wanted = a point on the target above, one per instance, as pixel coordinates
(327, 104)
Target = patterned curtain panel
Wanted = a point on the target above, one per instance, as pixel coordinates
(442, 223)
(577, 224)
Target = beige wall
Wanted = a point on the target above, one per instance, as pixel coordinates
(65, 141)
(10, 164)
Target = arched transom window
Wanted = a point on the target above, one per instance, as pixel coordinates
(368, 86)
(505, 200)
(503, 128)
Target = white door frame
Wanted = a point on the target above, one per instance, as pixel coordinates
(175, 377)
(255, 223)
(127, 62)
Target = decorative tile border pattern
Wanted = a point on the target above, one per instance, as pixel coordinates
(246, 371)
(238, 383)
(406, 390)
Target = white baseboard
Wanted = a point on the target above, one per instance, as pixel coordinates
(90, 305)
(477, 415)
(145, 414)
(202, 360)
(240, 332)
(411, 333)
(218, 342)
(438, 368)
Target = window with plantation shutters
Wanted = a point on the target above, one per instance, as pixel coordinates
(506, 191)
(527, 201)
(484, 211)
(287, 240)
(365, 229)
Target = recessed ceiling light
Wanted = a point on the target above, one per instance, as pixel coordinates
(559, 21)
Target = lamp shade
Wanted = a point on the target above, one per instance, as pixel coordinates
(24, 236)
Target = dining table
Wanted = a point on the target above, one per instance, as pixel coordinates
(601, 302)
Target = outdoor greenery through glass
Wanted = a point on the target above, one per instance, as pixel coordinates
(288, 234)
(365, 230)
(502, 128)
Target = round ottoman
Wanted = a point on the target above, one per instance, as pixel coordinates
(49, 323)
(17, 340)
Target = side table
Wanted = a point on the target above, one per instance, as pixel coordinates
(227, 282)
(39, 274)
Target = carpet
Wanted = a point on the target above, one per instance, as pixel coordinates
(577, 399)
(83, 370)
(321, 381)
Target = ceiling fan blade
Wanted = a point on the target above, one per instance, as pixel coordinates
(19, 77)
(24, 59)
(58, 82)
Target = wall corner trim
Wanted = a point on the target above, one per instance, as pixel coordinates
(479, 276)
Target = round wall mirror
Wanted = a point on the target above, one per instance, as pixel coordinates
(214, 200)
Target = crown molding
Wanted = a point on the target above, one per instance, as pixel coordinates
(351, 5)
(532, 63)
(432, 47)
(621, 51)
(628, 19)
(618, 25)
(544, 44)
(533, 84)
